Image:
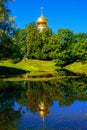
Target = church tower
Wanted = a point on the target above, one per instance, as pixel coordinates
(42, 22)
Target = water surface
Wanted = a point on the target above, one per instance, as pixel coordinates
(65, 102)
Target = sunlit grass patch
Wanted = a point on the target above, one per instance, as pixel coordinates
(37, 65)
(78, 67)
(10, 63)
(30, 65)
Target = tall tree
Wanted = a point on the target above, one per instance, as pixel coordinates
(65, 37)
(19, 42)
(6, 22)
(7, 27)
(80, 37)
(45, 36)
(59, 46)
(31, 39)
(79, 51)
(37, 41)
(51, 49)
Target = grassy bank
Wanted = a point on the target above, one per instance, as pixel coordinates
(37, 65)
(40, 67)
(78, 67)
(34, 67)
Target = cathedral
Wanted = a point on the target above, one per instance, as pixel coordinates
(41, 22)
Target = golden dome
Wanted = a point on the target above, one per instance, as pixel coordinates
(42, 21)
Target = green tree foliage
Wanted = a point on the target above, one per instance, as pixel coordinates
(6, 22)
(80, 51)
(65, 47)
(7, 28)
(45, 36)
(36, 41)
(79, 47)
(19, 43)
(52, 48)
(80, 37)
(65, 37)
(31, 39)
(6, 48)
(59, 47)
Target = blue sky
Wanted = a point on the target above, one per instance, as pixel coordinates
(61, 14)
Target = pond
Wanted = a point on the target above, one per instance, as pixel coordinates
(56, 104)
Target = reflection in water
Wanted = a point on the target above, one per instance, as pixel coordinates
(43, 112)
(59, 104)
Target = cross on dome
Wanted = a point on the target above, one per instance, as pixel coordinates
(41, 11)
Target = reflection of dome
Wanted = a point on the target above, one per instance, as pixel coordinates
(43, 110)
(43, 113)
(42, 21)
(42, 107)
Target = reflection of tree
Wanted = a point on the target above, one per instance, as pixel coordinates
(64, 72)
(72, 89)
(37, 94)
(64, 91)
(8, 116)
(31, 94)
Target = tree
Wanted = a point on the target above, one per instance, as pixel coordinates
(65, 37)
(31, 39)
(51, 49)
(45, 36)
(79, 51)
(6, 22)
(36, 41)
(7, 27)
(19, 43)
(80, 37)
(79, 47)
(59, 47)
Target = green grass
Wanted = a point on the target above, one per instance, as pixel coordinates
(78, 67)
(9, 63)
(30, 65)
(37, 65)
(35, 68)
(42, 68)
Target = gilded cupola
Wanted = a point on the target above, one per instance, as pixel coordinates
(42, 22)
